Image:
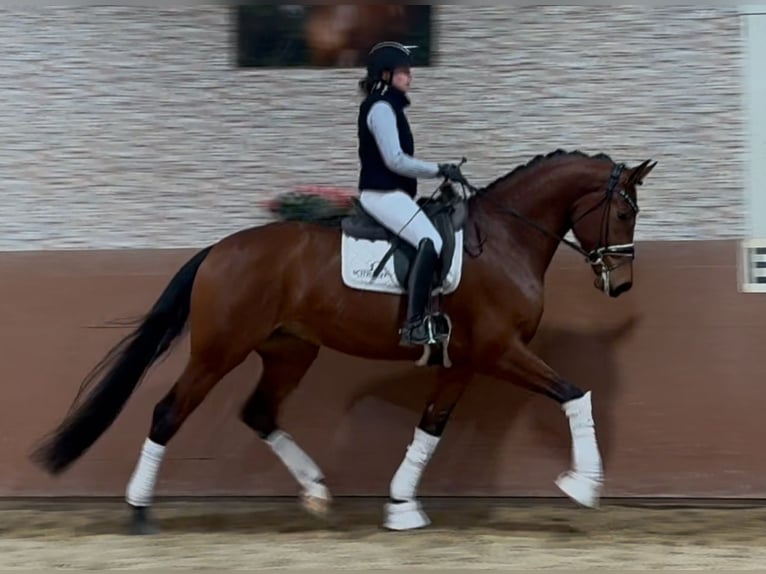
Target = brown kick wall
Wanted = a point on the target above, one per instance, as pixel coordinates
(676, 369)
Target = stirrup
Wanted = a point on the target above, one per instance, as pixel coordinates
(439, 327)
(432, 333)
(407, 333)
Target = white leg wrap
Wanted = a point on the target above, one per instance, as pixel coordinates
(405, 482)
(584, 482)
(409, 515)
(585, 454)
(300, 465)
(140, 491)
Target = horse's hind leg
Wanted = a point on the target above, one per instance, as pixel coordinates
(403, 511)
(286, 359)
(191, 388)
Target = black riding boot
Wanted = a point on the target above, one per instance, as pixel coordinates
(415, 329)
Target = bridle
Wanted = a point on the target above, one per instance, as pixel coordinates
(595, 257)
(625, 251)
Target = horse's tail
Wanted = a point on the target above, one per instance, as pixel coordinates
(126, 362)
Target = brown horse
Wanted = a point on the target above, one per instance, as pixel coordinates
(342, 34)
(277, 290)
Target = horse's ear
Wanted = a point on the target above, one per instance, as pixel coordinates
(638, 173)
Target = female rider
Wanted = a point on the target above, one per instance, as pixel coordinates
(389, 173)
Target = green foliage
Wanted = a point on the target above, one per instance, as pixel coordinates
(314, 204)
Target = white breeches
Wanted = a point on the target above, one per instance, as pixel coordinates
(394, 209)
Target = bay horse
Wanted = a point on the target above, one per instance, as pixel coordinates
(276, 290)
(342, 34)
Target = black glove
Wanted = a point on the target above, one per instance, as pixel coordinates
(451, 172)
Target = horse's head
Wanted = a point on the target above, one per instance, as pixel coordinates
(604, 222)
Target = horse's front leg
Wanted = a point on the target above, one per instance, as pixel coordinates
(403, 511)
(583, 483)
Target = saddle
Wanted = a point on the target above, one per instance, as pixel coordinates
(448, 212)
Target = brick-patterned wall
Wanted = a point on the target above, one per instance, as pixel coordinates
(131, 127)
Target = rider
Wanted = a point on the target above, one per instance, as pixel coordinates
(388, 174)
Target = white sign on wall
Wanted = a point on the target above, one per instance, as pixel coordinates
(751, 266)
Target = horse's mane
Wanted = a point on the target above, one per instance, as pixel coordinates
(539, 159)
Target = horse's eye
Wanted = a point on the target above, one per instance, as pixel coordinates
(623, 215)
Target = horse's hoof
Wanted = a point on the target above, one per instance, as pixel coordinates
(583, 490)
(143, 529)
(141, 524)
(405, 516)
(317, 500)
(319, 507)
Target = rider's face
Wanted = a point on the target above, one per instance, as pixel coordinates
(402, 78)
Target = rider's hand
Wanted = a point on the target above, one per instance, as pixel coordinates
(451, 172)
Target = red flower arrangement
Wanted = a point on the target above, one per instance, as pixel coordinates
(311, 203)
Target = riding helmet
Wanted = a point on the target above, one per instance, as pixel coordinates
(387, 56)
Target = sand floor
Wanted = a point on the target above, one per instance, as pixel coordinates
(492, 534)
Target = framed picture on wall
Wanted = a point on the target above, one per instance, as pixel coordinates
(334, 36)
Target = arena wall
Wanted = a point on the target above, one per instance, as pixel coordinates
(675, 367)
(128, 127)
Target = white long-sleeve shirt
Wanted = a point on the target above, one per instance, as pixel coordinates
(381, 121)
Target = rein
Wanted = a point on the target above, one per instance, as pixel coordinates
(595, 257)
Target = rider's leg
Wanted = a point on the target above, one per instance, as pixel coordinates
(394, 210)
(415, 330)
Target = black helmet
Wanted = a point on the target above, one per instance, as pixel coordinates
(387, 56)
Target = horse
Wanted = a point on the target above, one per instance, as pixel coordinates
(282, 290)
(341, 34)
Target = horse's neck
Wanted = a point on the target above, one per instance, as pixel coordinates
(543, 199)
